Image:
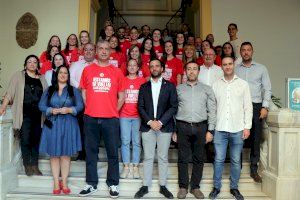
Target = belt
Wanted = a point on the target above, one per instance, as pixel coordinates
(193, 123)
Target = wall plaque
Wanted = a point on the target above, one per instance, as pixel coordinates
(27, 31)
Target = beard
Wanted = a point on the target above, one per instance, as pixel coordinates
(156, 75)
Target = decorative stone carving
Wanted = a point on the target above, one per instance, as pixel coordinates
(27, 31)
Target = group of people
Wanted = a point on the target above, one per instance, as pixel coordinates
(141, 91)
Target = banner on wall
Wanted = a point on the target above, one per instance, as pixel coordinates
(293, 93)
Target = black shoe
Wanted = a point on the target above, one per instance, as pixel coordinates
(214, 193)
(256, 177)
(236, 194)
(114, 191)
(88, 189)
(164, 191)
(142, 191)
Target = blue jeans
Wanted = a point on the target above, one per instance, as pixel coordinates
(130, 132)
(236, 142)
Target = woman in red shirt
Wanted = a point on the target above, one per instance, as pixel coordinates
(84, 38)
(147, 52)
(54, 41)
(179, 45)
(71, 50)
(130, 121)
(134, 53)
(173, 66)
(116, 58)
(158, 43)
(47, 65)
(134, 35)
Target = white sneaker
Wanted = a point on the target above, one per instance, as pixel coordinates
(114, 191)
(125, 172)
(136, 172)
(87, 190)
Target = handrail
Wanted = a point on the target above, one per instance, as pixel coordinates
(113, 12)
(174, 15)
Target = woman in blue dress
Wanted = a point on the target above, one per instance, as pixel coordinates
(61, 135)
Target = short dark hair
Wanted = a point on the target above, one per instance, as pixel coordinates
(227, 56)
(37, 59)
(186, 64)
(233, 24)
(161, 63)
(247, 43)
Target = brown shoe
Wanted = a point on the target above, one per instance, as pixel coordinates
(197, 193)
(28, 170)
(256, 177)
(36, 171)
(182, 193)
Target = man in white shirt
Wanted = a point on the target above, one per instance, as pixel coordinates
(234, 121)
(77, 68)
(234, 40)
(209, 72)
(157, 105)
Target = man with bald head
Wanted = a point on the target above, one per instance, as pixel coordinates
(209, 72)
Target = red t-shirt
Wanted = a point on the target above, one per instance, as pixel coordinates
(43, 57)
(45, 66)
(72, 56)
(131, 87)
(102, 85)
(116, 59)
(218, 61)
(145, 59)
(159, 50)
(124, 47)
(173, 67)
(179, 53)
(144, 71)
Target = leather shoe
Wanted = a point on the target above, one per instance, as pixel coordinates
(36, 170)
(142, 191)
(256, 177)
(164, 191)
(28, 170)
(197, 193)
(182, 193)
(214, 193)
(236, 194)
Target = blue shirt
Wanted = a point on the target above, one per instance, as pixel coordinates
(259, 82)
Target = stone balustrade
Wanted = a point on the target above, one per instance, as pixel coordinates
(10, 155)
(281, 173)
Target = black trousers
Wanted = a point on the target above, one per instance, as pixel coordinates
(94, 128)
(81, 154)
(30, 135)
(191, 141)
(255, 137)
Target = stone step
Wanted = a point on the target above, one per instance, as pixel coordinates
(46, 181)
(173, 155)
(79, 167)
(34, 193)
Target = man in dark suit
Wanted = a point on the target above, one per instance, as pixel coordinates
(157, 104)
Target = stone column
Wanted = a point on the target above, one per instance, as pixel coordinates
(281, 178)
(10, 155)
